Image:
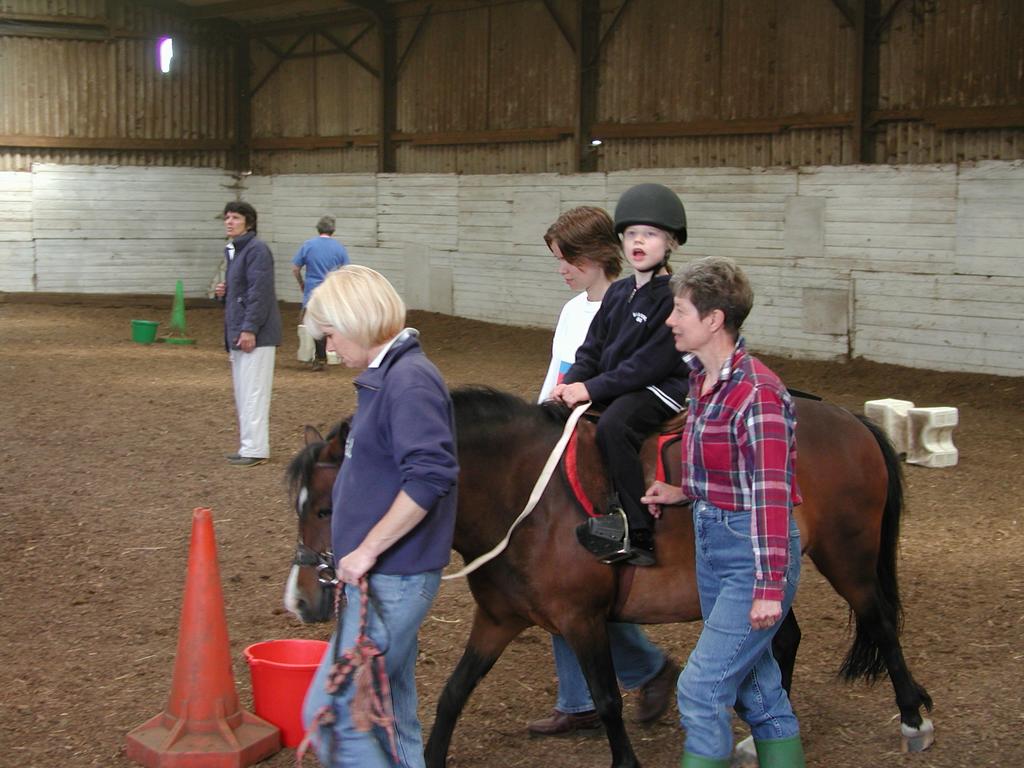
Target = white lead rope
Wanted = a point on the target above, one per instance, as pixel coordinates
(538, 491)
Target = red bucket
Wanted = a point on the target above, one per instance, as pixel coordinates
(281, 671)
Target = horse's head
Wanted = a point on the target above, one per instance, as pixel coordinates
(310, 475)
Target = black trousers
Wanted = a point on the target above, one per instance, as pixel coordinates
(626, 422)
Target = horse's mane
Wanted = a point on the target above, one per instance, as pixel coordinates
(480, 409)
(300, 468)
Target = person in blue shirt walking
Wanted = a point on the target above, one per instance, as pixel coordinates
(319, 255)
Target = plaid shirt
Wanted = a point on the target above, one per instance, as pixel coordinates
(740, 454)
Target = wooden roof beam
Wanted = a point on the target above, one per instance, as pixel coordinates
(844, 9)
(346, 48)
(415, 34)
(886, 20)
(217, 10)
(281, 60)
(561, 25)
(611, 28)
(376, 8)
(172, 7)
(303, 23)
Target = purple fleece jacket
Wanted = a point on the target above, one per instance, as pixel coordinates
(250, 303)
(402, 438)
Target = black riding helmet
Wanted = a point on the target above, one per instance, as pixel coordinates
(653, 204)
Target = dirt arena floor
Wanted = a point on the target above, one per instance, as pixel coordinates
(108, 445)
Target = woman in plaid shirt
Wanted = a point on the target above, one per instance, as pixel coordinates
(739, 470)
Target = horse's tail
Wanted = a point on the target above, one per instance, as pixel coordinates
(865, 659)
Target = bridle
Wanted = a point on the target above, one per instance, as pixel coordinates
(307, 557)
(322, 561)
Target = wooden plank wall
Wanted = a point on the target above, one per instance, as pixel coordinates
(17, 254)
(913, 265)
(967, 313)
(117, 230)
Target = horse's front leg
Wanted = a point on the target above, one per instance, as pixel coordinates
(589, 641)
(487, 640)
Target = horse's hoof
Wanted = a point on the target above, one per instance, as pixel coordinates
(745, 754)
(917, 739)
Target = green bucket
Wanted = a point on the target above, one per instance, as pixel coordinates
(144, 331)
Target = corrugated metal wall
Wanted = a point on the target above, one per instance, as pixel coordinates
(79, 8)
(951, 53)
(444, 85)
(704, 66)
(104, 101)
(317, 94)
(726, 60)
(507, 66)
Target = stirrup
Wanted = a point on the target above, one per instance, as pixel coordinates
(606, 536)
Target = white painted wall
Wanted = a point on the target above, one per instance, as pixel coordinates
(913, 265)
(17, 252)
(126, 230)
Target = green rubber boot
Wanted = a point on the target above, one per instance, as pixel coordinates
(780, 753)
(691, 760)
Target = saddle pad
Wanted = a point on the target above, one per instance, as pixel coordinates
(570, 463)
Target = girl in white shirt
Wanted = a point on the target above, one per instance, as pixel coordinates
(589, 255)
(589, 259)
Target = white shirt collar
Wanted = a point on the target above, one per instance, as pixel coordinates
(403, 334)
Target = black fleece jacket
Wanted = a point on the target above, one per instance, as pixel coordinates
(629, 347)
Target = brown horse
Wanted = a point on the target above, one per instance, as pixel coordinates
(849, 523)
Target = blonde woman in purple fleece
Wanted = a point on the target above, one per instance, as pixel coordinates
(394, 504)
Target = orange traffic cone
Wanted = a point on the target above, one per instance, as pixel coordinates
(203, 724)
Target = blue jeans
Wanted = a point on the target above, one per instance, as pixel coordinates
(637, 660)
(732, 664)
(401, 604)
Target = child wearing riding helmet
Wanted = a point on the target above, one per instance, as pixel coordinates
(629, 365)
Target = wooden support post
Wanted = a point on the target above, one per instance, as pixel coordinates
(866, 79)
(387, 33)
(857, 132)
(386, 160)
(587, 72)
(243, 104)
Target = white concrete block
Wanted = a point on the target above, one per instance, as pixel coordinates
(931, 436)
(307, 348)
(891, 416)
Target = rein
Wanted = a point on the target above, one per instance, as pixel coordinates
(538, 490)
(363, 665)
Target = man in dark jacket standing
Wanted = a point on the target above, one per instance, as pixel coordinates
(252, 330)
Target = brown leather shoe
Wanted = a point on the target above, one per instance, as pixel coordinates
(656, 694)
(563, 723)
